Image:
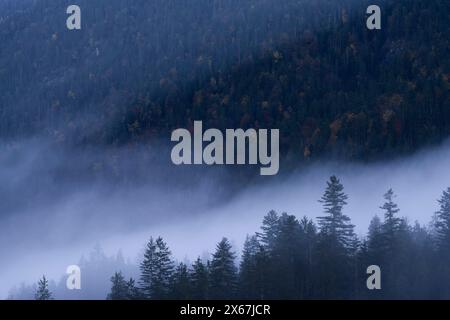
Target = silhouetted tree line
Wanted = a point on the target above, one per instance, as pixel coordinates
(96, 267)
(299, 259)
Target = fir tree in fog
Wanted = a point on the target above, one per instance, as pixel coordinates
(43, 292)
(200, 280)
(223, 272)
(119, 288)
(156, 269)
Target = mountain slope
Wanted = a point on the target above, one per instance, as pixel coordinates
(139, 69)
(75, 82)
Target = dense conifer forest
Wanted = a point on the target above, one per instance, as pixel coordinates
(297, 258)
(95, 99)
(310, 68)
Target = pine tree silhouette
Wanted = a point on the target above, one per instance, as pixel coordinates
(43, 292)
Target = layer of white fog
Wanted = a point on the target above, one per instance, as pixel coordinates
(48, 222)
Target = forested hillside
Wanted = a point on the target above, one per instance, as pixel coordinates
(129, 52)
(139, 69)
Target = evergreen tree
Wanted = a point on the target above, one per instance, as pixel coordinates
(156, 269)
(119, 288)
(336, 224)
(200, 280)
(375, 230)
(391, 223)
(250, 280)
(399, 271)
(336, 258)
(43, 292)
(375, 240)
(223, 273)
(270, 228)
(148, 269)
(442, 242)
(371, 253)
(181, 283)
(288, 260)
(134, 293)
(389, 246)
(309, 231)
(442, 223)
(122, 289)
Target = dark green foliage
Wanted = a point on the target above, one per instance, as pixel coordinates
(200, 280)
(252, 278)
(119, 288)
(336, 226)
(374, 240)
(156, 269)
(287, 257)
(122, 289)
(292, 259)
(181, 283)
(391, 224)
(43, 292)
(442, 223)
(442, 237)
(223, 272)
(335, 259)
(309, 68)
(134, 292)
(270, 229)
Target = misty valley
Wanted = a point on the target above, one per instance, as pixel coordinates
(224, 150)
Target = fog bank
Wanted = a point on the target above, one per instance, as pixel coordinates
(48, 220)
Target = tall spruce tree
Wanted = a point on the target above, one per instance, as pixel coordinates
(119, 288)
(308, 245)
(394, 251)
(391, 224)
(442, 223)
(156, 270)
(43, 292)
(442, 243)
(270, 229)
(375, 241)
(134, 293)
(336, 224)
(371, 253)
(287, 257)
(148, 269)
(223, 272)
(200, 280)
(181, 283)
(250, 270)
(335, 264)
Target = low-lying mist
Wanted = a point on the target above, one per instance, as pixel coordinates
(56, 205)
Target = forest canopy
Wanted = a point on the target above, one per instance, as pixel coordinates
(309, 68)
